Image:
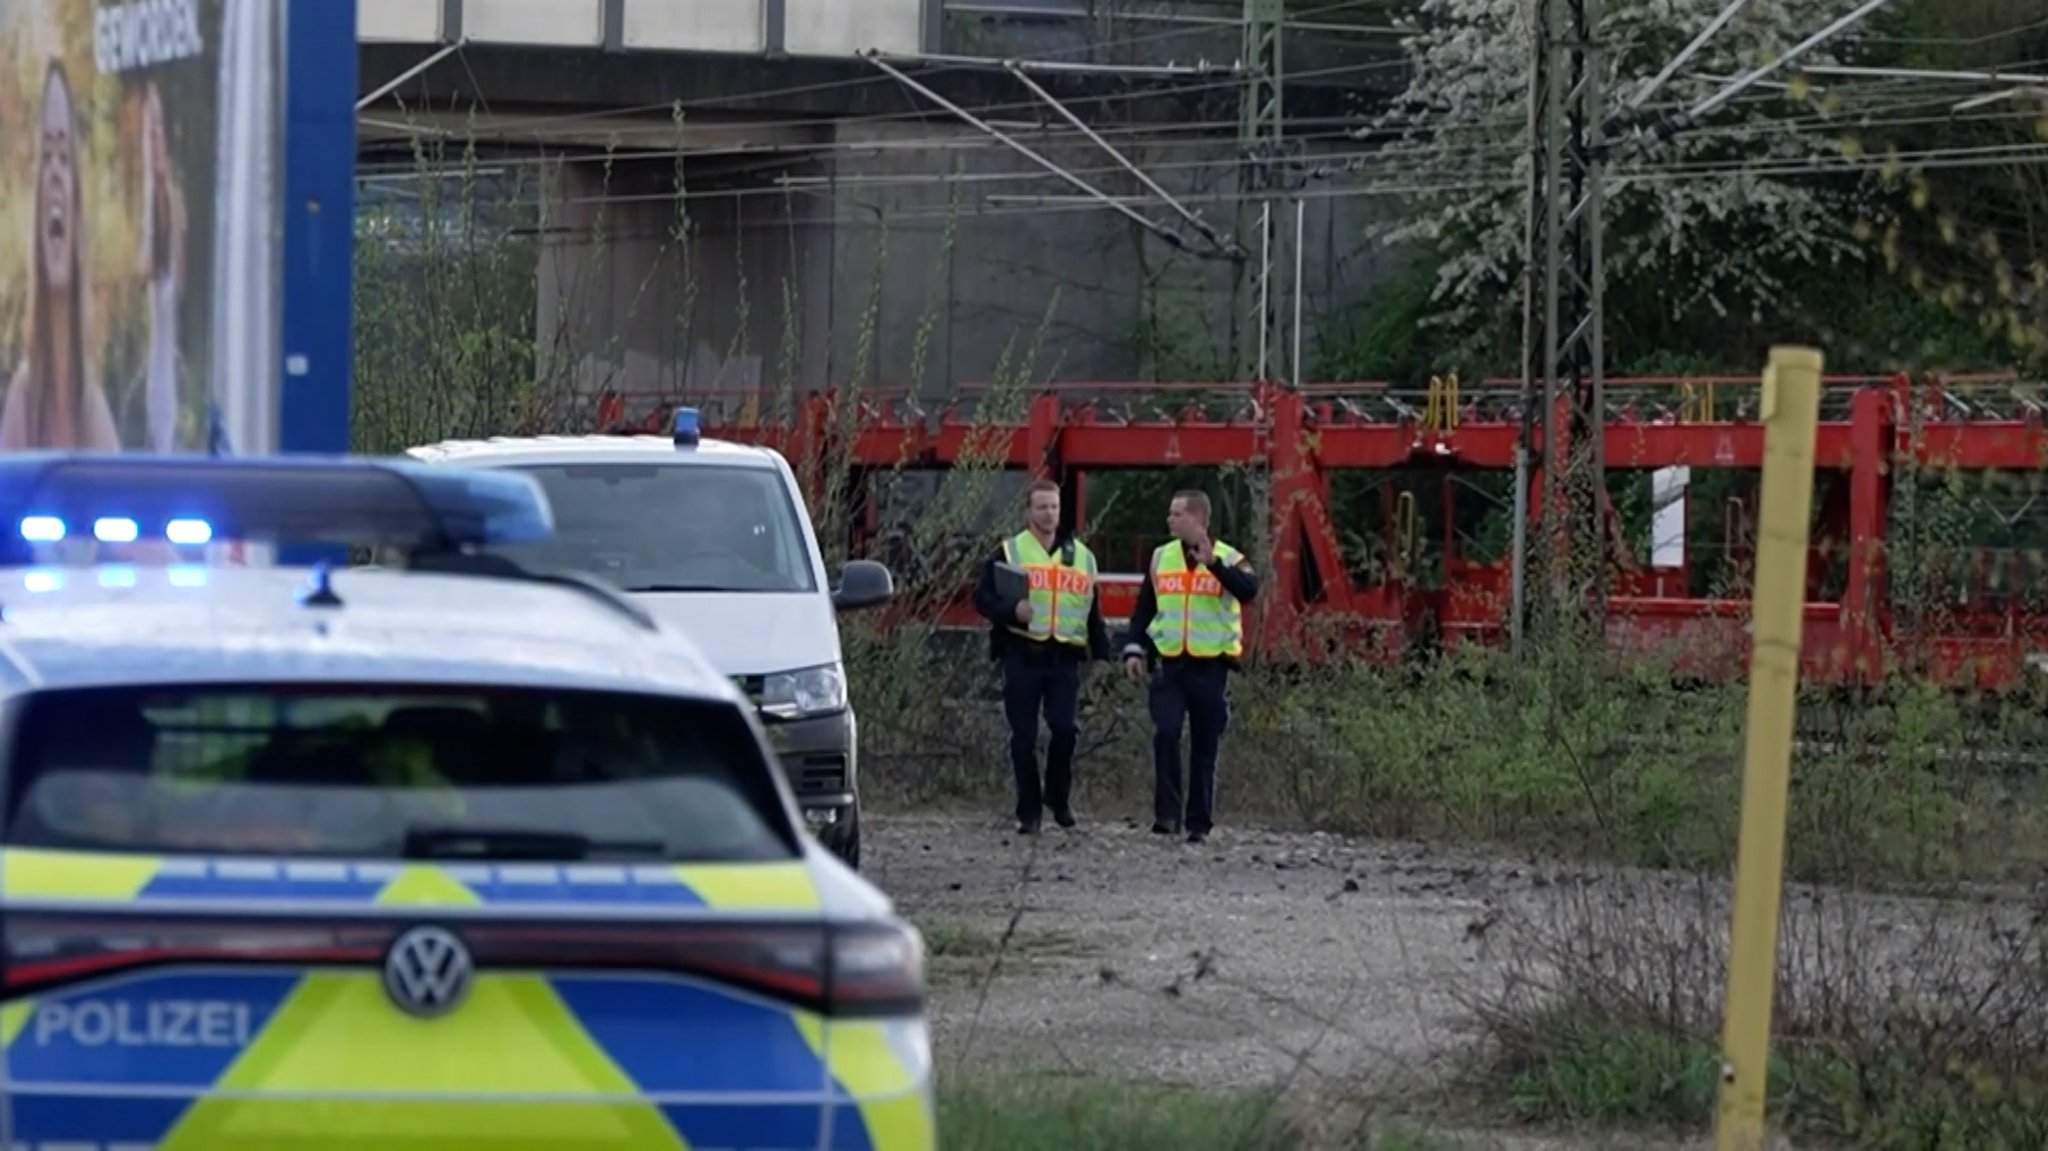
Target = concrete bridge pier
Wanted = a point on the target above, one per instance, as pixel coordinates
(658, 280)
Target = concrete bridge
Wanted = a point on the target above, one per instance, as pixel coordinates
(819, 28)
(868, 190)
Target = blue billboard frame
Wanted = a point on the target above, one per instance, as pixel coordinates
(317, 321)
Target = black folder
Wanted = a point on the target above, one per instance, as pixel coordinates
(1012, 582)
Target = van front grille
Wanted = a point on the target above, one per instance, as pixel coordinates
(816, 774)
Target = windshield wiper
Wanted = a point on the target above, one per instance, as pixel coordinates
(662, 587)
(427, 841)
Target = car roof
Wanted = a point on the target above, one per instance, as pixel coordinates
(551, 449)
(108, 626)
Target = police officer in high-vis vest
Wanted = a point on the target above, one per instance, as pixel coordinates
(1190, 618)
(1042, 640)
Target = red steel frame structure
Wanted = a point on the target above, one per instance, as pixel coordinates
(1871, 428)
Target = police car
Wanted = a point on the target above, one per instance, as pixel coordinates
(712, 538)
(463, 856)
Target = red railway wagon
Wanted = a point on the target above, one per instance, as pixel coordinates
(1873, 431)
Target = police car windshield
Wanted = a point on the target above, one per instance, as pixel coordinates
(671, 527)
(359, 771)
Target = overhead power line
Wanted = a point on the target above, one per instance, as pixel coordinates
(1221, 245)
(1771, 68)
(1164, 233)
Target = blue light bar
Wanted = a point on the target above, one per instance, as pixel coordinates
(287, 500)
(688, 427)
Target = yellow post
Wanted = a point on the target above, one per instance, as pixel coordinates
(1791, 407)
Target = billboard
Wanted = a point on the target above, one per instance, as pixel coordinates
(139, 212)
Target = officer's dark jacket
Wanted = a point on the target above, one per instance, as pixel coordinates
(1241, 582)
(1001, 613)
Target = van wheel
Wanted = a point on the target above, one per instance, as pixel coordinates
(845, 841)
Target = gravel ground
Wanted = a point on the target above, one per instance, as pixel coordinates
(1238, 963)
(1259, 959)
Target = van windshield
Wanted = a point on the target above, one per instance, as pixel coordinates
(671, 527)
(381, 771)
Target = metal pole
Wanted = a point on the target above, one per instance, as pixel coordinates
(1593, 100)
(1525, 443)
(1263, 168)
(1518, 571)
(1300, 234)
(1555, 463)
(1265, 287)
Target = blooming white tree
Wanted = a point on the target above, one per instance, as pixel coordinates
(1716, 217)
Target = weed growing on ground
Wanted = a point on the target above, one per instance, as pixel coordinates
(1581, 758)
(1902, 1023)
(1041, 1114)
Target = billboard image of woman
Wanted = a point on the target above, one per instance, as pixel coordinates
(53, 399)
(112, 137)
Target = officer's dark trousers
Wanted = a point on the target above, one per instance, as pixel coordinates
(1039, 679)
(1194, 692)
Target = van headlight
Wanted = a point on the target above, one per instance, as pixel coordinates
(806, 692)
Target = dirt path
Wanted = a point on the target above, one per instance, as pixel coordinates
(1259, 959)
(1235, 964)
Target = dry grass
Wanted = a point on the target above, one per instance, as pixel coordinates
(1900, 1022)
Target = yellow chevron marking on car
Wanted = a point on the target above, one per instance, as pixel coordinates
(861, 1059)
(314, 1124)
(752, 886)
(512, 1035)
(13, 1018)
(27, 873)
(513, 1042)
(423, 885)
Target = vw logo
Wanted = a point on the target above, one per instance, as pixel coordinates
(427, 971)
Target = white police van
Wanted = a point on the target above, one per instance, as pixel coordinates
(713, 538)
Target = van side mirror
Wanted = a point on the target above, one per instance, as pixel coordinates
(863, 584)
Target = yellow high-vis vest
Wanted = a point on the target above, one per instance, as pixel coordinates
(1060, 595)
(1196, 617)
